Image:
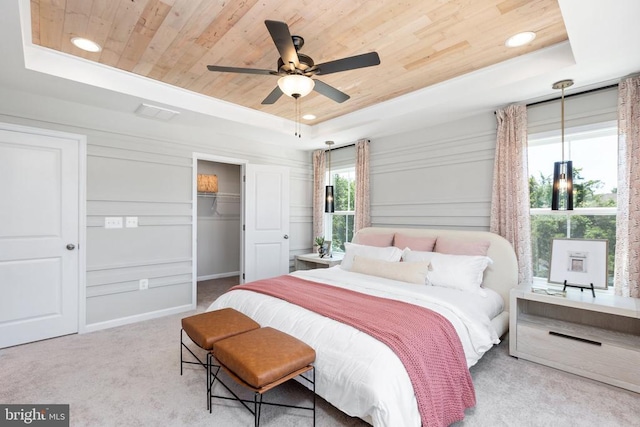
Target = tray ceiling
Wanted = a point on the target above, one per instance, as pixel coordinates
(420, 43)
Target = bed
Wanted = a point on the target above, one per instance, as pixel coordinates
(359, 374)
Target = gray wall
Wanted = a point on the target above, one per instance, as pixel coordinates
(142, 167)
(437, 177)
(219, 226)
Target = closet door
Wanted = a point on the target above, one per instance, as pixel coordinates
(266, 250)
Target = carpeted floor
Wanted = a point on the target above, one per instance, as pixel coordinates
(130, 376)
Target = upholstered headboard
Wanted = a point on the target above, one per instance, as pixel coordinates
(501, 276)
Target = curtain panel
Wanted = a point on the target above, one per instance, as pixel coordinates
(627, 256)
(363, 215)
(318, 193)
(510, 196)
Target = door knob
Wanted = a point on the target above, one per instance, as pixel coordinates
(286, 236)
(71, 246)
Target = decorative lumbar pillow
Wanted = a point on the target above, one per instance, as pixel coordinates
(410, 272)
(462, 272)
(414, 243)
(415, 256)
(390, 253)
(376, 239)
(446, 245)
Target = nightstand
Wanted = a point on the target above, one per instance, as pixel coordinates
(311, 261)
(598, 338)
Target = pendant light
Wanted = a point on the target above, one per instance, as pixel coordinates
(562, 192)
(329, 205)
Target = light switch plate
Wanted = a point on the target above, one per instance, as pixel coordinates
(131, 222)
(113, 222)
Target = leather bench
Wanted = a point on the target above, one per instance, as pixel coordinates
(206, 329)
(260, 360)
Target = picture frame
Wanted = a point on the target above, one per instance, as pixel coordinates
(579, 262)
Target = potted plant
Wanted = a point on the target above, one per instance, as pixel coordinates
(320, 243)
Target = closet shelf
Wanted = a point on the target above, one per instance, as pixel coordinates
(219, 195)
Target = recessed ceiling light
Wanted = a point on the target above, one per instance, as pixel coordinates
(308, 117)
(520, 39)
(86, 44)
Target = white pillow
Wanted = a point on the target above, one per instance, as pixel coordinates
(463, 272)
(414, 256)
(410, 272)
(390, 253)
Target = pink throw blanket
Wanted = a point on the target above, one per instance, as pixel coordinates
(431, 352)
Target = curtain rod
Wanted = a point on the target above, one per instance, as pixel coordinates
(570, 95)
(574, 94)
(342, 146)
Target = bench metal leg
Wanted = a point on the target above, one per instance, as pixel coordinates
(257, 397)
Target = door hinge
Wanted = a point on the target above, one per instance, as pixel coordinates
(242, 276)
(244, 227)
(244, 178)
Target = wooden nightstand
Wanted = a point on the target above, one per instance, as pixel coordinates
(597, 338)
(311, 261)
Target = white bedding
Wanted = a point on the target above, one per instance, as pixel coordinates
(354, 372)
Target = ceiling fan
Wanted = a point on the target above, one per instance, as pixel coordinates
(295, 69)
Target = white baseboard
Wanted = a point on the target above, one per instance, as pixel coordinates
(219, 275)
(136, 318)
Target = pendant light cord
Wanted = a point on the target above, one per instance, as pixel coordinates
(329, 165)
(562, 122)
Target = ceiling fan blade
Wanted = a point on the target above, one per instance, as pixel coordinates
(239, 70)
(282, 38)
(350, 63)
(273, 96)
(330, 91)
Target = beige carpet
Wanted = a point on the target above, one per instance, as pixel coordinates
(130, 376)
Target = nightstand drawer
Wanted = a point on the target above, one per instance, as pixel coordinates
(566, 350)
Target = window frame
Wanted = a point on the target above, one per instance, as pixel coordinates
(600, 129)
(328, 216)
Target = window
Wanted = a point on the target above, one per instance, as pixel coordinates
(339, 225)
(594, 152)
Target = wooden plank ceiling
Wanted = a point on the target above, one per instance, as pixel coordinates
(420, 42)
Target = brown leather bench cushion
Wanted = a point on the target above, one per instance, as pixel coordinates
(263, 356)
(206, 328)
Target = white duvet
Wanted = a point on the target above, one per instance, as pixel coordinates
(354, 372)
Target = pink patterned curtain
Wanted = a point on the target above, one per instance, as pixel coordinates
(627, 264)
(363, 215)
(510, 198)
(318, 193)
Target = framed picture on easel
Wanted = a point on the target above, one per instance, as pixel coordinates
(579, 263)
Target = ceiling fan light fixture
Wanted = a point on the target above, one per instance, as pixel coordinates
(520, 39)
(295, 85)
(86, 44)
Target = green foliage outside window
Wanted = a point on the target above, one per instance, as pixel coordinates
(545, 228)
(342, 223)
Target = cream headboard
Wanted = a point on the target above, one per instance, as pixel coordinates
(501, 276)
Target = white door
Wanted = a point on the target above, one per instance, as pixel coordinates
(266, 222)
(39, 207)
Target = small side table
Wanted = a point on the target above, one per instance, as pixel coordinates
(311, 261)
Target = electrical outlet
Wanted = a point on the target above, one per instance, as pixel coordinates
(113, 222)
(131, 222)
(144, 284)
